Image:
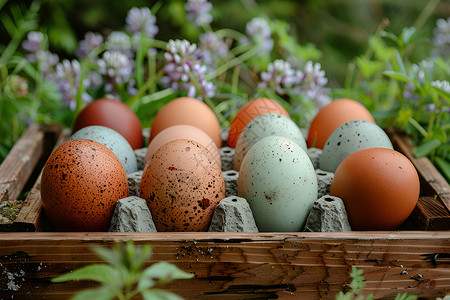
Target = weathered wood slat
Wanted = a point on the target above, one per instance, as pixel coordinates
(433, 209)
(436, 181)
(20, 162)
(233, 266)
(31, 216)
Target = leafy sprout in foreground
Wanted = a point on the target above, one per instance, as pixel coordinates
(124, 277)
(357, 285)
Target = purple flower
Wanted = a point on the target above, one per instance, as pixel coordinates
(280, 76)
(312, 82)
(211, 46)
(116, 67)
(36, 53)
(198, 11)
(91, 41)
(33, 43)
(141, 20)
(67, 75)
(441, 39)
(118, 41)
(259, 31)
(182, 65)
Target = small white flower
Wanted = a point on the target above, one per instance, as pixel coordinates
(199, 11)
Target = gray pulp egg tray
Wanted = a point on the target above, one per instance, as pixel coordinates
(297, 265)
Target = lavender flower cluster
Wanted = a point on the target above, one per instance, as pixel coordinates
(441, 39)
(113, 68)
(185, 70)
(311, 81)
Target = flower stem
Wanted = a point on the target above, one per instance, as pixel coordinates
(232, 63)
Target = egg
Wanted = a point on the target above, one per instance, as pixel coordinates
(182, 185)
(115, 115)
(333, 115)
(379, 186)
(81, 182)
(187, 111)
(182, 132)
(263, 126)
(250, 111)
(279, 182)
(113, 140)
(348, 138)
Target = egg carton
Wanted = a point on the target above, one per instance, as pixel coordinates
(227, 265)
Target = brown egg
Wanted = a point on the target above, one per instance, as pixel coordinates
(81, 182)
(182, 132)
(115, 115)
(248, 112)
(333, 115)
(379, 186)
(188, 111)
(182, 185)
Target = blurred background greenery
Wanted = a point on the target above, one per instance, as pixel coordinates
(340, 29)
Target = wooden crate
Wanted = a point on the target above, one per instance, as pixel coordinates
(229, 265)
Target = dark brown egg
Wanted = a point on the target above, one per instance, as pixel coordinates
(182, 184)
(115, 115)
(81, 182)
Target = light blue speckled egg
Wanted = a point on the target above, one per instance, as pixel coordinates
(351, 137)
(263, 126)
(113, 140)
(278, 180)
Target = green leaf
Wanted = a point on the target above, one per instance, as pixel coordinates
(407, 35)
(389, 35)
(396, 75)
(398, 63)
(155, 294)
(426, 148)
(368, 67)
(97, 272)
(405, 296)
(108, 255)
(444, 165)
(102, 293)
(165, 272)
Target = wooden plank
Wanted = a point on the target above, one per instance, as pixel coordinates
(20, 162)
(31, 216)
(236, 266)
(424, 166)
(433, 209)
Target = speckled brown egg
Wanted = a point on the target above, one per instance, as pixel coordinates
(81, 182)
(182, 185)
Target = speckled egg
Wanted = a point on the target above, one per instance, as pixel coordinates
(182, 185)
(279, 182)
(81, 182)
(263, 126)
(113, 140)
(350, 137)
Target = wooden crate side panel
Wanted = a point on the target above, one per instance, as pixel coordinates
(232, 266)
(20, 163)
(31, 216)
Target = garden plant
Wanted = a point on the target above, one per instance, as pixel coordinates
(401, 86)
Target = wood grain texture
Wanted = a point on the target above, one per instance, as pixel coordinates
(244, 266)
(433, 209)
(31, 216)
(20, 162)
(433, 178)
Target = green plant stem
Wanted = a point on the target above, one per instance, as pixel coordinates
(205, 98)
(227, 32)
(418, 127)
(131, 101)
(232, 63)
(425, 14)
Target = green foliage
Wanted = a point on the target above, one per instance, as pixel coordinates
(356, 289)
(124, 277)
